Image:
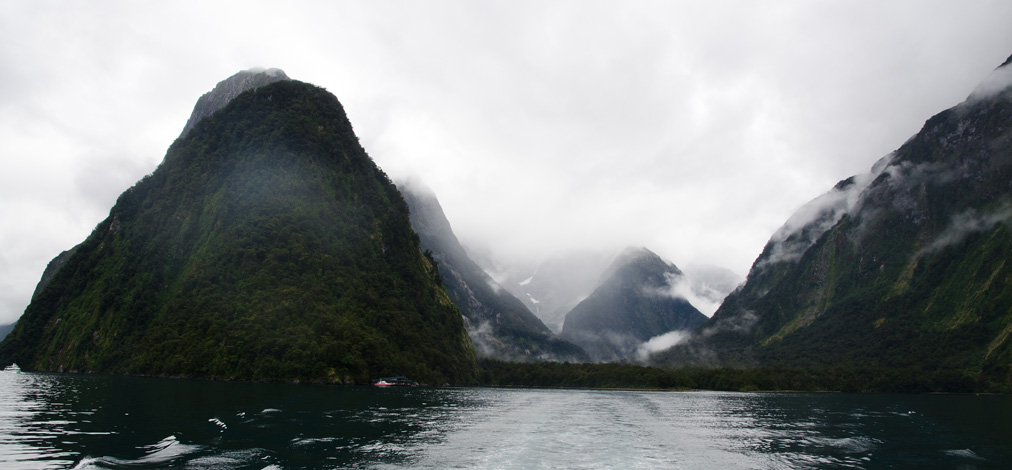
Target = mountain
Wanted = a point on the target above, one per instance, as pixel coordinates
(908, 266)
(226, 90)
(499, 324)
(267, 245)
(52, 268)
(553, 287)
(633, 304)
(6, 330)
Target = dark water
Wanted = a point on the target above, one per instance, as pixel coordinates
(75, 421)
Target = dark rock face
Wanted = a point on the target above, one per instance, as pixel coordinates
(633, 304)
(907, 266)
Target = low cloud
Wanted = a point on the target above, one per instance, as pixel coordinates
(812, 220)
(966, 223)
(492, 284)
(995, 83)
(694, 349)
(538, 132)
(484, 340)
(682, 287)
(660, 343)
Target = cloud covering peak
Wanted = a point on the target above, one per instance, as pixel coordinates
(996, 82)
(692, 128)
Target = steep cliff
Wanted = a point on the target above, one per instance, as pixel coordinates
(266, 246)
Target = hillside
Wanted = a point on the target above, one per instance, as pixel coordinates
(908, 266)
(52, 268)
(266, 246)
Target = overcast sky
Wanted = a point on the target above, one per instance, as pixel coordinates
(692, 128)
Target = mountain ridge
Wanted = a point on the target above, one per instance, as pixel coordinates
(228, 89)
(633, 303)
(904, 266)
(499, 324)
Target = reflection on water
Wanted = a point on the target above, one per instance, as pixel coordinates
(103, 422)
(36, 414)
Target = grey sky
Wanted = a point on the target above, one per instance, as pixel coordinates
(692, 128)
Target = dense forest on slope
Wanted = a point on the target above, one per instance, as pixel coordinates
(906, 267)
(844, 378)
(266, 246)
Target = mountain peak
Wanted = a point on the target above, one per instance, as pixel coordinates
(642, 261)
(998, 81)
(633, 303)
(632, 253)
(227, 89)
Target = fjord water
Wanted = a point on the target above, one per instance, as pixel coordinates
(99, 422)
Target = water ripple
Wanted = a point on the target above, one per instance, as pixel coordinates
(92, 422)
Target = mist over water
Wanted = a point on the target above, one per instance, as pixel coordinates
(103, 422)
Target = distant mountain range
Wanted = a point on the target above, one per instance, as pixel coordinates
(555, 286)
(907, 266)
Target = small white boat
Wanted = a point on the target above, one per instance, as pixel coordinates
(399, 381)
(12, 368)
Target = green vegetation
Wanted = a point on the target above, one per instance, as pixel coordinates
(623, 376)
(266, 246)
(917, 276)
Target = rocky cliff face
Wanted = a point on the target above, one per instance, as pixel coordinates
(905, 266)
(229, 88)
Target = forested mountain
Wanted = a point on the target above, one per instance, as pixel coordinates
(499, 324)
(908, 266)
(633, 303)
(267, 245)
